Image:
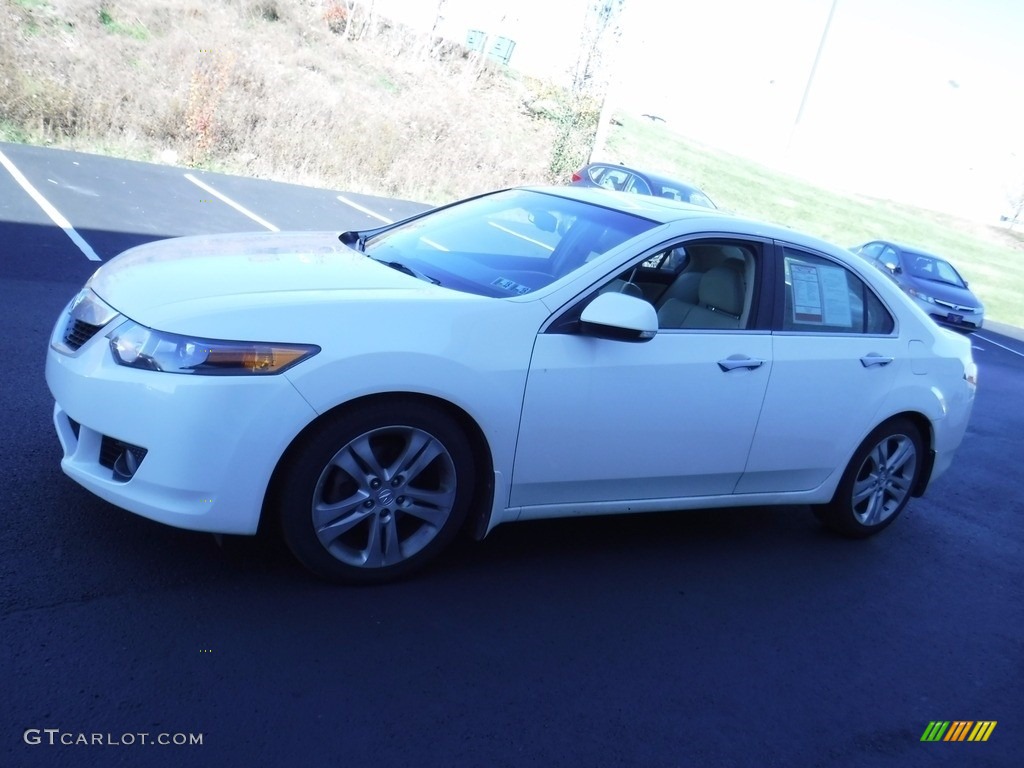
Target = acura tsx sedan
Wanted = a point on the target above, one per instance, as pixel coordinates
(527, 353)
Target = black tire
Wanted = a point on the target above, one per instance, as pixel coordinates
(878, 482)
(371, 495)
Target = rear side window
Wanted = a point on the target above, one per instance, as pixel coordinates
(609, 178)
(822, 296)
(872, 249)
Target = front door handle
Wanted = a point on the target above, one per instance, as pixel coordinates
(733, 362)
(875, 359)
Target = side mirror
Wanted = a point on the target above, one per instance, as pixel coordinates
(893, 267)
(619, 317)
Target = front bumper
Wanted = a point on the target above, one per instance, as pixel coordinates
(191, 451)
(959, 318)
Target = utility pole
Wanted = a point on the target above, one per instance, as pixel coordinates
(810, 76)
(603, 124)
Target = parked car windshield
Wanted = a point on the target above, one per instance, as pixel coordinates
(927, 267)
(506, 244)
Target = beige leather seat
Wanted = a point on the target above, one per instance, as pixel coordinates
(678, 299)
(719, 304)
(686, 287)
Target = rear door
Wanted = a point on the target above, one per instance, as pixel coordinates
(835, 357)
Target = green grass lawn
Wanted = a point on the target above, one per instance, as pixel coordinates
(990, 258)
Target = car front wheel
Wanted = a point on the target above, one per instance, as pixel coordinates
(878, 481)
(375, 493)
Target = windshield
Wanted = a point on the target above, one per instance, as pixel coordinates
(932, 268)
(505, 244)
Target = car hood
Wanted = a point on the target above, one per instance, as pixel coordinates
(191, 270)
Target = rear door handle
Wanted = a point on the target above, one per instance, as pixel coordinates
(875, 359)
(733, 362)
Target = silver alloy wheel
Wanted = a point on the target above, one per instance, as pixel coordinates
(384, 496)
(884, 480)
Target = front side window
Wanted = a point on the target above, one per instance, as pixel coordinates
(889, 257)
(639, 186)
(697, 285)
(822, 296)
(698, 198)
(506, 244)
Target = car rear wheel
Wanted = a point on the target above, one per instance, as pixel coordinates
(878, 481)
(374, 494)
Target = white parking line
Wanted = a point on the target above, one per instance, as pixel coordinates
(49, 210)
(225, 199)
(1003, 346)
(367, 211)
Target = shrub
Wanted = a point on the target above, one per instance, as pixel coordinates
(382, 111)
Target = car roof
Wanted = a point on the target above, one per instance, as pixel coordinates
(668, 181)
(665, 211)
(657, 178)
(660, 209)
(911, 249)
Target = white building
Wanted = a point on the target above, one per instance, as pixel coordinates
(544, 33)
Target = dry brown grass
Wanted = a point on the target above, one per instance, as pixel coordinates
(268, 88)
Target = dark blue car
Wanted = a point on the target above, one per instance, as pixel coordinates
(931, 281)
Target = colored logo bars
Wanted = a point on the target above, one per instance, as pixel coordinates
(958, 730)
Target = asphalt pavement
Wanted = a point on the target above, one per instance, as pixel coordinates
(745, 637)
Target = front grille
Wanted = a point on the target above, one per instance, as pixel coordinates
(78, 333)
(955, 307)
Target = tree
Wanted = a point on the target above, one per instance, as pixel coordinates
(602, 30)
(599, 38)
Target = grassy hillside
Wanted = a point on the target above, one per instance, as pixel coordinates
(296, 90)
(991, 258)
(302, 91)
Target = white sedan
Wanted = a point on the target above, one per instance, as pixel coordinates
(524, 354)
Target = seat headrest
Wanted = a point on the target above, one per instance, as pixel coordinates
(722, 289)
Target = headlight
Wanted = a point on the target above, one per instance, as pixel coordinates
(136, 346)
(920, 296)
